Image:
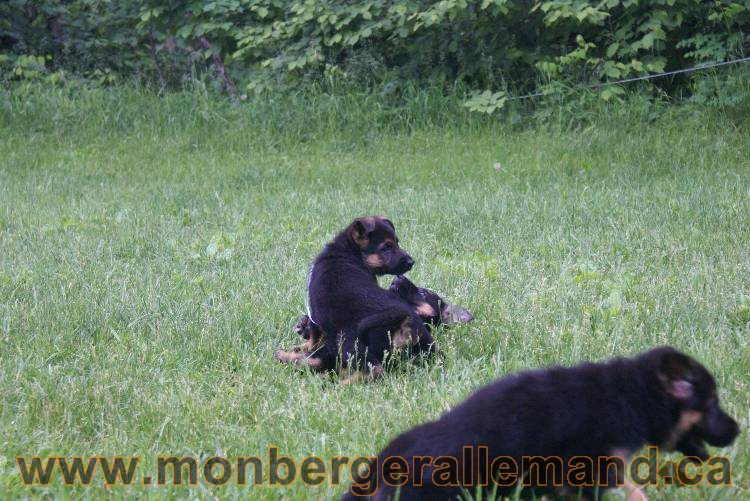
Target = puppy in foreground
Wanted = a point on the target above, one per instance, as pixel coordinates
(660, 398)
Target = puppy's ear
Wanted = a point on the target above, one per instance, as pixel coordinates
(401, 286)
(360, 229)
(388, 222)
(454, 314)
(676, 374)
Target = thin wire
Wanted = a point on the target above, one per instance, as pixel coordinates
(645, 77)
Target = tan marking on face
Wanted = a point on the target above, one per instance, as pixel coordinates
(687, 420)
(374, 260)
(425, 310)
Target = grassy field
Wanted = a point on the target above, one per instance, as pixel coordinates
(154, 252)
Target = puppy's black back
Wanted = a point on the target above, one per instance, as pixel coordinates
(592, 410)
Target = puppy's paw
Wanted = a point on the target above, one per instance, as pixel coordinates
(287, 357)
(299, 357)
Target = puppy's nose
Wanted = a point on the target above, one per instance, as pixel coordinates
(409, 262)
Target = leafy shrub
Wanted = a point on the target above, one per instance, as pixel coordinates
(483, 44)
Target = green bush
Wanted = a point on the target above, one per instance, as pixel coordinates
(377, 44)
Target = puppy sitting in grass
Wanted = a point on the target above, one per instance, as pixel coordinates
(563, 416)
(345, 299)
(432, 309)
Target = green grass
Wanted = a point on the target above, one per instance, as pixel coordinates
(153, 254)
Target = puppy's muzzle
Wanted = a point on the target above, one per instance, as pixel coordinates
(405, 264)
(720, 429)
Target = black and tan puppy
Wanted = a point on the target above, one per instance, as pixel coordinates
(662, 398)
(432, 309)
(363, 321)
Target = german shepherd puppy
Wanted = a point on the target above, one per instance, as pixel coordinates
(431, 308)
(363, 320)
(595, 410)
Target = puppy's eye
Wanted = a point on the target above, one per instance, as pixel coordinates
(388, 246)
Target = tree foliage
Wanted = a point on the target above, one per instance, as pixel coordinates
(483, 44)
